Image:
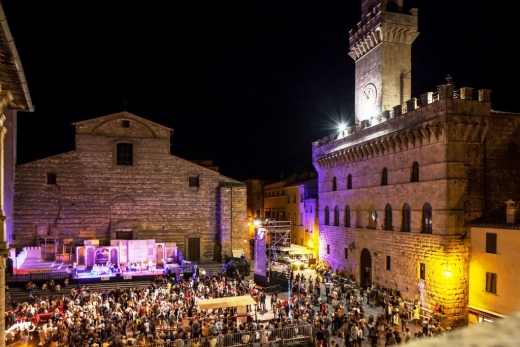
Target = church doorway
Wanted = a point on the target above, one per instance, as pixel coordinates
(365, 278)
(193, 248)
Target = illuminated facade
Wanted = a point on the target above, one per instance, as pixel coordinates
(397, 188)
(121, 182)
(295, 199)
(14, 97)
(494, 258)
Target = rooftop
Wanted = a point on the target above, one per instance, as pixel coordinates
(494, 219)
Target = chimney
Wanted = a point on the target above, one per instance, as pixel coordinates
(512, 212)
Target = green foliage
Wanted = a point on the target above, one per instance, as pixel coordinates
(312, 266)
(244, 268)
(302, 267)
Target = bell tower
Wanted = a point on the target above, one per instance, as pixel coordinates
(381, 47)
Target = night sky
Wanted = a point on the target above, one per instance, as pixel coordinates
(249, 84)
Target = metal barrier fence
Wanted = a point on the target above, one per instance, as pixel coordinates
(293, 335)
(37, 276)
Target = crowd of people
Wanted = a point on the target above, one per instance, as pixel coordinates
(162, 314)
(341, 313)
(166, 313)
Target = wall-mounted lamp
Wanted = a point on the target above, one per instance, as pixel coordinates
(446, 270)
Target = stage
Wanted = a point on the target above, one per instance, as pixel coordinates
(90, 276)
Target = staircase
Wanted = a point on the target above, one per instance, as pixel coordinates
(212, 267)
(20, 294)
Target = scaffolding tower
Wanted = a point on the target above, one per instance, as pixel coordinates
(278, 237)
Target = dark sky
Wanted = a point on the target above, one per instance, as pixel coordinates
(249, 84)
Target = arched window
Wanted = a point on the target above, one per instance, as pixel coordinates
(326, 216)
(334, 184)
(388, 217)
(336, 216)
(349, 181)
(415, 172)
(347, 216)
(384, 177)
(427, 219)
(406, 218)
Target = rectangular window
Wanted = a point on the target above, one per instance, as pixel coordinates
(125, 124)
(194, 181)
(125, 154)
(51, 178)
(328, 249)
(491, 243)
(422, 271)
(346, 253)
(491, 282)
(257, 214)
(388, 262)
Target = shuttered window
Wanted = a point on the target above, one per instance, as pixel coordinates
(491, 243)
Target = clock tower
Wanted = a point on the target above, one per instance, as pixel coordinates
(381, 47)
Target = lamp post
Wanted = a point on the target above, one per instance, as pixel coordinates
(288, 274)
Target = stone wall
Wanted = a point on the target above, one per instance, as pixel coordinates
(462, 148)
(95, 198)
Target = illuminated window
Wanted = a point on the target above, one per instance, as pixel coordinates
(336, 216)
(422, 271)
(384, 177)
(326, 216)
(194, 181)
(346, 253)
(125, 123)
(334, 184)
(328, 249)
(349, 181)
(491, 243)
(347, 216)
(491, 282)
(406, 218)
(427, 219)
(388, 217)
(125, 154)
(388, 262)
(51, 178)
(415, 172)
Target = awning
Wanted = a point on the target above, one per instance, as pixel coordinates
(296, 249)
(233, 301)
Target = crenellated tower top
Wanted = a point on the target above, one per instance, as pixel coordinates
(381, 47)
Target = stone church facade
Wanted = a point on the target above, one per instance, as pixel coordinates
(397, 188)
(121, 182)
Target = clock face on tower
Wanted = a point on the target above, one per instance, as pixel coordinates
(368, 100)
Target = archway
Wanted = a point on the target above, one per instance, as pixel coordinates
(365, 275)
(90, 256)
(159, 257)
(113, 257)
